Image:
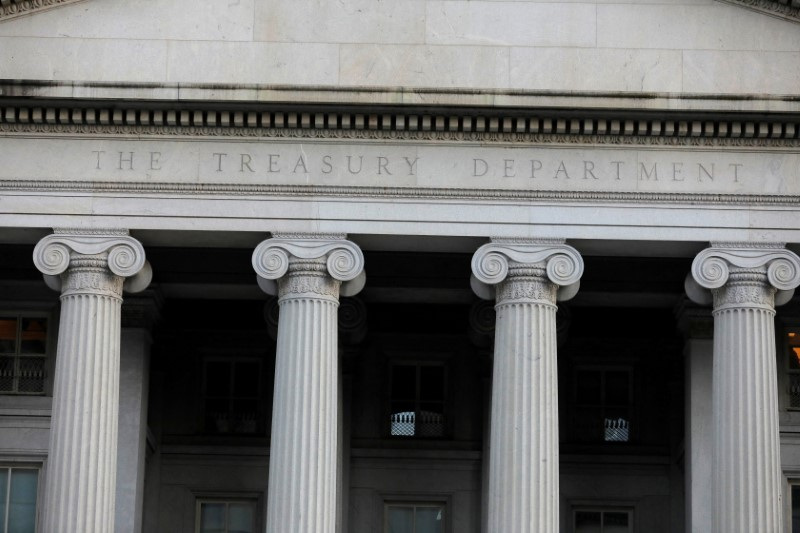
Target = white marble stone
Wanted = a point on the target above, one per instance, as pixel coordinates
(346, 21)
(510, 23)
(710, 71)
(155, 20)
(704, 27)
(261, 63)
(82, 460)
(423, 66)
(523, 451)
(109, 60)
(596, 69)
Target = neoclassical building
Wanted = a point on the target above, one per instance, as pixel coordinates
(423, 266)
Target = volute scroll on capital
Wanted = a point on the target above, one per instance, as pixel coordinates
(563, 265)
(711, 269)
(344, 261)
(122, 255)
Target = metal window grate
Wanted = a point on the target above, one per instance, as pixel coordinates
(411, 424)
(618, 430)
(794, 391)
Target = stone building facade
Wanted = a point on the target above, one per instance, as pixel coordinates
(411, 267)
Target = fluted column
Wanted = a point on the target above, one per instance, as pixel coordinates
(311, 273)
(746, 281)
(527, 278)
(90, 269)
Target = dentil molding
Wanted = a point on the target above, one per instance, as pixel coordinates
(472, 125)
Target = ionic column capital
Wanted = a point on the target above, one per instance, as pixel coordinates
(117, 260)
(739, 274)
(336, 263)
(556, 266)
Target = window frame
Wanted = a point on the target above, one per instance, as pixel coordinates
(227, 498)
(417, 363)
(260, 421)
(47, 356)
(785, 364)
(577, 408)
(600, 507)
(416, 500)
(37, 467)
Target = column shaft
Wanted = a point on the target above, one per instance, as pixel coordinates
(304, 449)
(81, 471)
(523, 482)
(747, 470)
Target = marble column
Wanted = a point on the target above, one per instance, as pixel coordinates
(311, 273)
(746, 281)
(90, 270)
(525, 278)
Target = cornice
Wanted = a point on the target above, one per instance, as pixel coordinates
(125, 93)
(785, 9)
(16, 8)
(414, 124)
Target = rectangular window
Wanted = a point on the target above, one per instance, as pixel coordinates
(793, 368)
(603, 404)
(23, 349)
(414, 518)
(603, 521)
(226, 516)
(417, 404)
(18, 488)
(795, 498)
(232, 395)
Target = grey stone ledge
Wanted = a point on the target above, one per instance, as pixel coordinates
(784, 9)
(393, 96)
(17, 8)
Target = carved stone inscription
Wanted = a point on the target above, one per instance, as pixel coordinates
(450, 166)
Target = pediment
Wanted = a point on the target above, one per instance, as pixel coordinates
(785, 9)
(17, 8)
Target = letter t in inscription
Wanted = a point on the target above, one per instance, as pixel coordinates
(99, 153)
(736, 171)
(219, 157)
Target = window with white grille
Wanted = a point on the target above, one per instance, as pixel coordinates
(602, 404)
(417, 400)
(23, 353)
